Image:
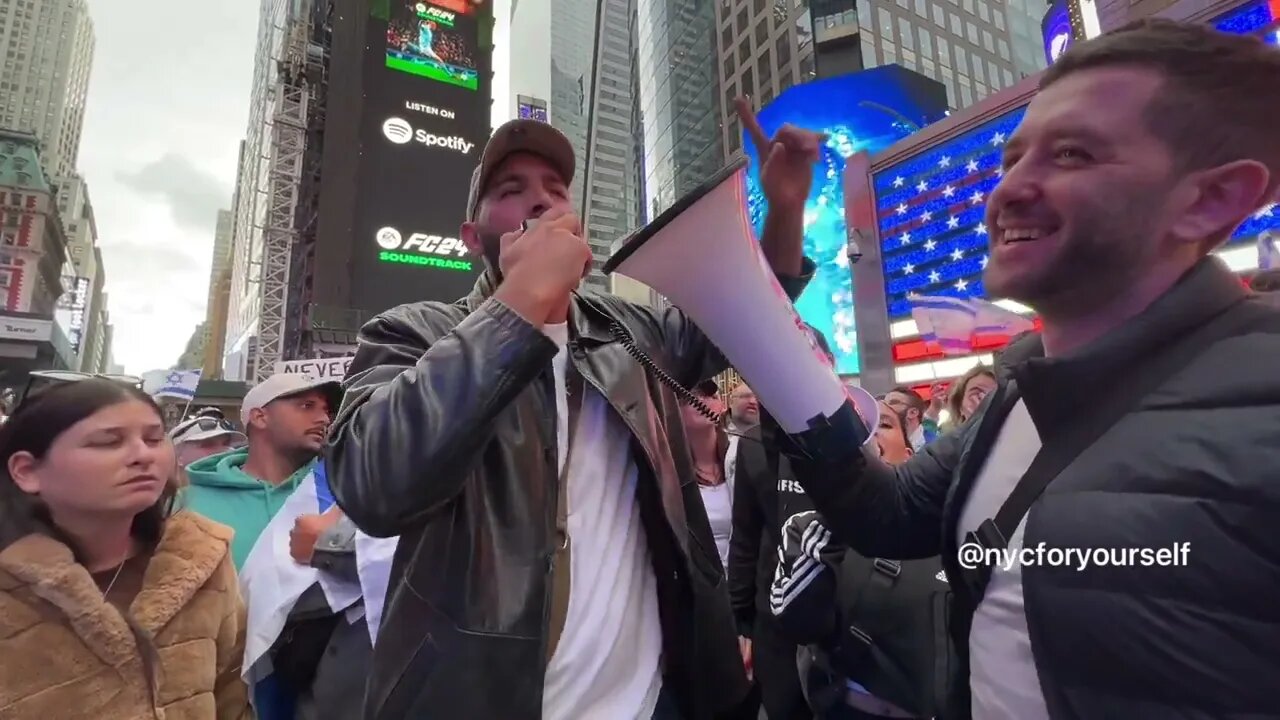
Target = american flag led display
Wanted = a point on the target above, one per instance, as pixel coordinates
(931, 207)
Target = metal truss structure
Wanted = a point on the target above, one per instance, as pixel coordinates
(284, 174)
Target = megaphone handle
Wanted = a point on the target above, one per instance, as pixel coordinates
(629, 344)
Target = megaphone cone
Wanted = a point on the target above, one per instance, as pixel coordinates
(703, 256)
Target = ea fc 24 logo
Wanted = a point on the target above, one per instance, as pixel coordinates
(400, 132)
(422, 249)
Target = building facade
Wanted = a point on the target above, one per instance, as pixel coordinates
(47, 49)
(973, 47)
(679, 112)
(33, 245)
(215, 307)
(253, 192)
(32, 252)
(82, 307)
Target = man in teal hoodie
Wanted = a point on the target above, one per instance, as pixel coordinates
(286, 418)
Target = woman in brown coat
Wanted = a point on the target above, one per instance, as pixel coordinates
(111, 608)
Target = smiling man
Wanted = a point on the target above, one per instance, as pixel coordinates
(1145, 415)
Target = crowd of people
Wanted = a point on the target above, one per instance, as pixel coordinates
(500, 513)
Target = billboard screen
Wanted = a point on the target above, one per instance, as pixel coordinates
(424, 121)
(931, 207)
(868, 110)
(72, 307)
(437, 40)
(1256, 16)
(1056, 31)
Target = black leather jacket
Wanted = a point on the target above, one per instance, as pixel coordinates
(447, 439)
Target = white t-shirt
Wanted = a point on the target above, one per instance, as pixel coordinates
(718, 501)
(607, 664)
(1002, 672)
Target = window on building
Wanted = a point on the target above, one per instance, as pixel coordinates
(993, 74)
(742, 21)
(929, 68)
(904, 4)
(760, 5)
(908, 59)
(762, 33)
(988, 42)
(951, 95)
(904, 32)
(966, 96)
(944, 52)
(890, 53)
(983, 11)
(968, 6)
(971, 31)
(886, 25)
(744, 52)
(999, 18)
(782, 50)
(962, 60)
(869, 58)
(748, 83)
(978, 72)
(921, 9)
(956, 28)
(939, 17)
(864, 16)
(1008, 77)
(926, 43)
(1004, 49)
(764, 70)
(726, 37)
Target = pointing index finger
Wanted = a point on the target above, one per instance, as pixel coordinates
(752, 126)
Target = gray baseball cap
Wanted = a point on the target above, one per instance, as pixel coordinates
(531, 136)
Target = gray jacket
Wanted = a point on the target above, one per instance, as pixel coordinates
(1195, 461)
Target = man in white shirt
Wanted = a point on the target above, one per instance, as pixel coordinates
(1107, 518)
(555, 560)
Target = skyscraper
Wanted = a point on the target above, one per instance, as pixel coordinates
(678, 100)
(215, 309)
(552, 68)
(611, 176)
(47, 47)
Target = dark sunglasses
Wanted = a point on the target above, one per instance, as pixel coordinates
(204, 424)
(40, 380)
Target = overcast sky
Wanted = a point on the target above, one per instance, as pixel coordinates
(168, 102)
(168, 106)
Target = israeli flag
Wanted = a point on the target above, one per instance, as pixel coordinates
(180, 384)
(271, 581)
(954, 323)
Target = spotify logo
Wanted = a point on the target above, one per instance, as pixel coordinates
(397, 131)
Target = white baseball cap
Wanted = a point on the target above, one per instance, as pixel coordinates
(283, 385)
(203, 428)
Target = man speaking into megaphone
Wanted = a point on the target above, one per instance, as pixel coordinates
(555, 560)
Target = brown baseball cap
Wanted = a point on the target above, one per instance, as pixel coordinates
(531, 136)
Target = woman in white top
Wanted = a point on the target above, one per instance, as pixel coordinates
(708, 444)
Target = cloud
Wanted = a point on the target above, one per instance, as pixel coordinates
(193, 196)
(161, 140)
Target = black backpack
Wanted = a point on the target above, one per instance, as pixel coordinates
(893, 638)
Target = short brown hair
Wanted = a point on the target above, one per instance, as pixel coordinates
(1219, 101)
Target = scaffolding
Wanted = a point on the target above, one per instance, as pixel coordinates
(284, 175)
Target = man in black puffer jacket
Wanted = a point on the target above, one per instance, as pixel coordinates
(1138, 437)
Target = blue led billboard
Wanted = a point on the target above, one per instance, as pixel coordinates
(868, 110)
(1252, 17)
(931, 207)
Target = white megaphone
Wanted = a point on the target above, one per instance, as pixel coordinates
(703, 256)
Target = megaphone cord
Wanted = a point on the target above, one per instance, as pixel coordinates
(621, 335)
